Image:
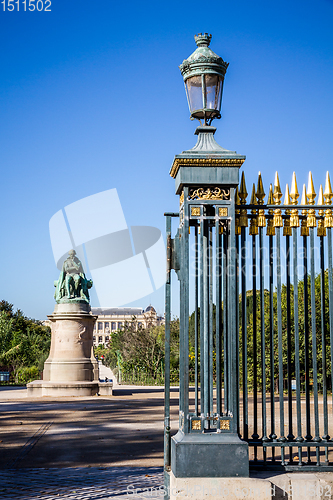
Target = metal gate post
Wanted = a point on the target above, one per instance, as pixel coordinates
(206, 179)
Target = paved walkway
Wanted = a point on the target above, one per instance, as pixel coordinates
(82, 448)
(82, 483)
(105, 371)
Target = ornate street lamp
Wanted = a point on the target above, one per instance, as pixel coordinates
(203, 74)
(207, 443)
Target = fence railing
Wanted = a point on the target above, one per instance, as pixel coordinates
(272, 380)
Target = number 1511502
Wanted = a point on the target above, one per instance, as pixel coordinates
(26, 5)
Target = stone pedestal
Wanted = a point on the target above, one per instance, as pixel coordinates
(209, 455)
(71, 369)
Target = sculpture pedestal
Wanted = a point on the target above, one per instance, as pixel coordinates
(71, 369)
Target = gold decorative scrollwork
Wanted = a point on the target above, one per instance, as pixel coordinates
(225, 425)
(196, 425)
(215, 193)
(181, 198)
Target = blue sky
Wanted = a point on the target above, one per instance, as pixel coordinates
(91, 98)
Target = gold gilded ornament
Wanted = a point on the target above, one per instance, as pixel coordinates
(243, 221)
(286, 227)
(328, 195)
(214, 193)
(270, 201)
(196, 425)
(253, 223)
(304, 226)
(311, 196)
(294, 195)
(260, 194)
(277, 195)
(225, 425)
(321, 231)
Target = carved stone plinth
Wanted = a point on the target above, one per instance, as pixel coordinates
(71, 369)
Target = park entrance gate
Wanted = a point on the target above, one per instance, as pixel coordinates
(256, 354)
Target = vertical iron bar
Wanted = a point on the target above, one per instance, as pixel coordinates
(314, 340)
(323, 340)
(218, 317)
(330, 297)
(290, 436)
(262, 333)
(237, 330)
(196, 297)
(225, 320)
(184, 321)
(299, 437)
(232, 309)
(255, 435)
(308, 436)
(202, 357)
(244, 337)
(181, 335)
(279, 324)
(210, 309)
(206, 319)
(272, 435)
(167, 448)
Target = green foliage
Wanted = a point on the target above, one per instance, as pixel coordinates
(27, 374)
(136, 354)
(100, 351)
(254, 353)
(24, 342)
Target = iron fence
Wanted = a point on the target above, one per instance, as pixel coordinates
(259, 279)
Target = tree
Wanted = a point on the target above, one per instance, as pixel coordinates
(24, 342)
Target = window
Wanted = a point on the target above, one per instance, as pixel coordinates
(107, 338)
(139, 324)
(107, 325)
(94, 338)
(113, 326)
(120, 325)
(100, 326)
(100, 339)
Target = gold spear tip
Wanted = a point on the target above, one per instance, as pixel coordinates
(320, 196)
(311, 194)
(277, 187)
(270, 200)
(277, 194)
(253, 196)
(304, 200)
(242, 190)
(328, 188)
(260, 194)
(287, 196)
(294, 191)
(311, 189)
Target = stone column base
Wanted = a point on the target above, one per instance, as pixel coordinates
(39, 388)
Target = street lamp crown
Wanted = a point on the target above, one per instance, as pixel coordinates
(202, 39)
(203, 73)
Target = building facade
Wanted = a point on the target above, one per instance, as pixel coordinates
(114, 318)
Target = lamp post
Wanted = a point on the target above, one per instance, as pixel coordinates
(204, 254)
(203, 74)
